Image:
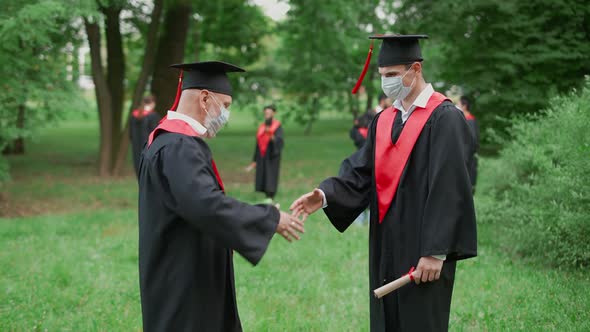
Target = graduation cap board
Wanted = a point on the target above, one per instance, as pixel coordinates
(209, 75)
(395, 50)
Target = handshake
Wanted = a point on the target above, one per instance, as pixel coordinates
(290, 225)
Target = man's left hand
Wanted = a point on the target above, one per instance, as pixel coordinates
(428, 269)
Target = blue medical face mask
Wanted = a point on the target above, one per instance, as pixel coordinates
(214, 124)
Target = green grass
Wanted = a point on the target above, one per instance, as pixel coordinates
(70, 262)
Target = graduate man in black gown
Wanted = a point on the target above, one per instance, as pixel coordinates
(267, 154)
(382, 103)
(188, 227)
(358, 134)
(412, 172)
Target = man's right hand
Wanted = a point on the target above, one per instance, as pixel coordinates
(307, 204)
(251, 167)
(289, 226)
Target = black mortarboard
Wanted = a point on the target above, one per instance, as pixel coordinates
(210, 75)
(399, 49)
(395, 50)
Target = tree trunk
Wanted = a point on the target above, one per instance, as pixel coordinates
(75, 63)
(308, 127)
(196, 40)
(17, 146)
(148, 62)
(314, 115)
(351, 108)
(170, 50)
(103, 98)
(369, 87)
(115, 71)
(19, 143)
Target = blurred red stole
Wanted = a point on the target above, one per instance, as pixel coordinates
(263, 138)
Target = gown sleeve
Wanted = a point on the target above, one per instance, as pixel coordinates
(348, 194)
(199, 201)
(255, 150)
(276, 146)
(448, 224)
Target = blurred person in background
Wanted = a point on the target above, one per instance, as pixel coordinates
(267, 154)
(143, 121)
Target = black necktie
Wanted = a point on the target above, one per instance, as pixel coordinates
(398, 125)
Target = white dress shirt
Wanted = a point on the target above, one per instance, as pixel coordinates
(172, 115)
(420, 101)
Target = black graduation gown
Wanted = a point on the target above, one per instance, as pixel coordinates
(366, 119)
(432, 214)
(139, 130)
(475, 148)
(187, 231)
(356, 137)
(267, 167)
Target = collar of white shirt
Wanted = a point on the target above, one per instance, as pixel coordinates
(172, 115)
(420, 101)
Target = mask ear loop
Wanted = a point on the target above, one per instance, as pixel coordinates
(212, 98)
(413, 80)
(221, 108)
(209, 94)
(217, 102)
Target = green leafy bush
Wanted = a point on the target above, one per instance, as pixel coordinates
(538, 191)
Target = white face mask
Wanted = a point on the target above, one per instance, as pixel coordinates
(394, 88)
(214, 124)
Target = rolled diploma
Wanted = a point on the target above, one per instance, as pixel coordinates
(397, 283)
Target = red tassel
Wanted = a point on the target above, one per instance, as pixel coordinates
(178, 92)
(364, 72)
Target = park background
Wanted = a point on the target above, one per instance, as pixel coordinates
(72, 70)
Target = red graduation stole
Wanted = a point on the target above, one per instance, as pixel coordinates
(181, 127)
(469, 116)
(263, 138)
(391, 159)
(138, 114)
(364, 131)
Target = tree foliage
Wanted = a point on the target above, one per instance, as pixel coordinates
(324, 44)
(510, 55)
(36, 40)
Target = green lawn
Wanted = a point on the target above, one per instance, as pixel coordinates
(69, 248)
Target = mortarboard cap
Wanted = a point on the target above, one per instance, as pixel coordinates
(209, 75)
(399, 49)
(395, 50)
